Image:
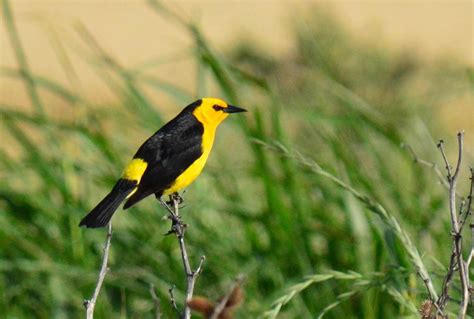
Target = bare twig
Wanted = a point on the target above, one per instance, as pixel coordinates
(468, 211)
(423, 162)
(443, 298)
(461, 214)
(90, 304)
(173, 299)
(156, 301)
(471, 225)
(223, 302)
(178, 228)
(456, 263)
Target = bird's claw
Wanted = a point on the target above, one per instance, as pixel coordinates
(177, 226)
(176, 197)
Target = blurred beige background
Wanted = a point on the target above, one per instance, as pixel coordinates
(135, 35)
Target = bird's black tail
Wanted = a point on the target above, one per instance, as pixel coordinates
(102, 213)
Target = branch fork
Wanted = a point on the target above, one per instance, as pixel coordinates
(458, 220)
(178, 227)
(457, 264)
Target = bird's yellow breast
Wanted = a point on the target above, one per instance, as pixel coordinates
(193, 171)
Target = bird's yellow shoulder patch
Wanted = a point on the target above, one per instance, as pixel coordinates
(134, 170)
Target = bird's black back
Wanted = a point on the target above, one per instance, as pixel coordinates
(168, 153)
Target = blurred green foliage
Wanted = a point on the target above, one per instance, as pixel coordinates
(343, 105)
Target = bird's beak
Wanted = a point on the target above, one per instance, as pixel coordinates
(233, 109)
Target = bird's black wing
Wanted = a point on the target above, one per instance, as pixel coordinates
(168, 153)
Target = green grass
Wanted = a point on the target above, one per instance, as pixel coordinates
(317, 203)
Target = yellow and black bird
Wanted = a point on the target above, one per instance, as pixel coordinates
(168, 161)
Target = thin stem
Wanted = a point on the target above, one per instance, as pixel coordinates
(458, 239)
(443, 298)
(445, 159)
(471, 225)
(156, 301)
(173, 300)
(180, 235)
(90, 304)
(423, 162)
(469, 205)
(456, 256)
(178, 228)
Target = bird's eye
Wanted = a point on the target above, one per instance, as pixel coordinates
(217, 107)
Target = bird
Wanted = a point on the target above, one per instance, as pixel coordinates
(168, 161)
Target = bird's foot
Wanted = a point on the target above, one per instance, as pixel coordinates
(177, 225)
(175, 197)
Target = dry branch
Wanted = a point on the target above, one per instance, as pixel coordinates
(471, 226)
(178, 228)
(173, 300)
(457, 263)
(90, 304)
(426, 163)
(459, 217)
